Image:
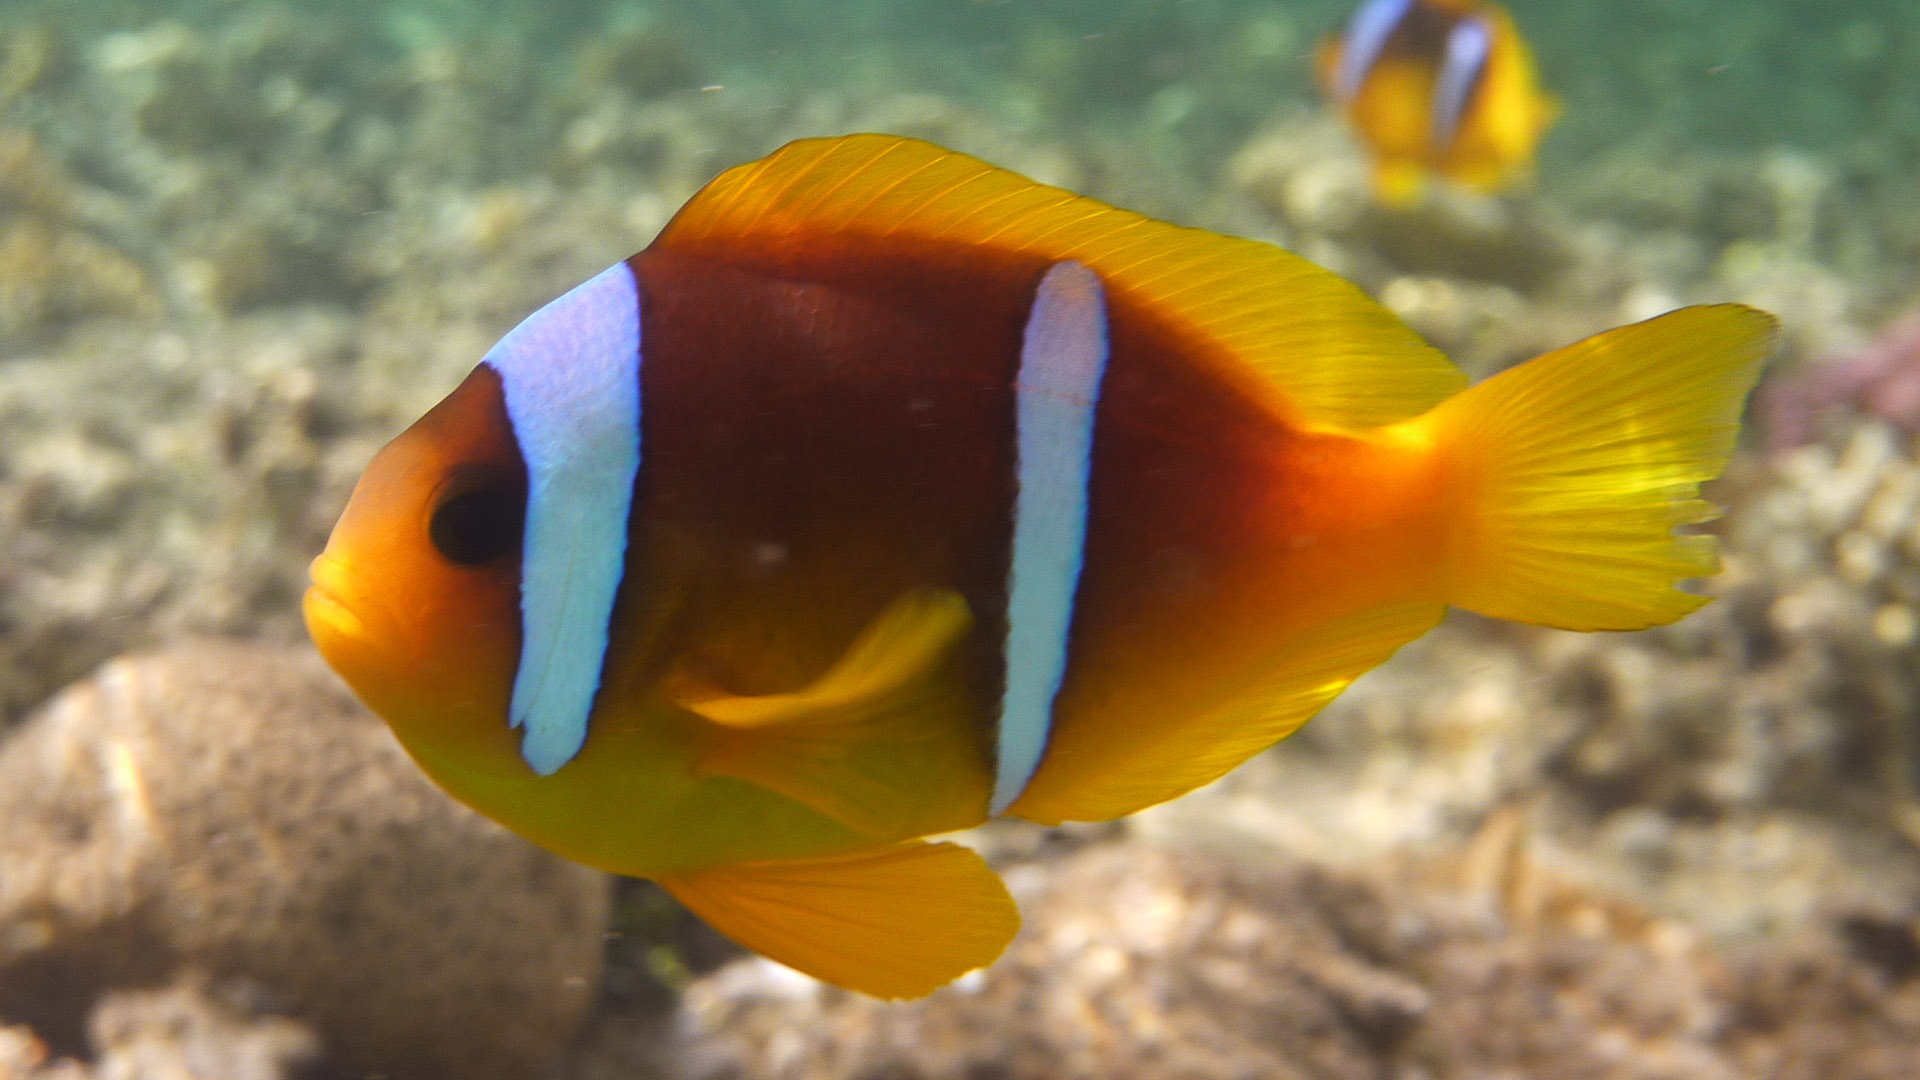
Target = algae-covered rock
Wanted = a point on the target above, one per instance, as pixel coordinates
(187, 1028)
(229, 808)
(184, 1029)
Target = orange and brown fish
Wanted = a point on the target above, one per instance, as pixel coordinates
(1442, 87)
(887, 492)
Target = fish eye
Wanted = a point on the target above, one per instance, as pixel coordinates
(477, 525)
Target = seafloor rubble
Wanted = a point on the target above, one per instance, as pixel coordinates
(236, 256)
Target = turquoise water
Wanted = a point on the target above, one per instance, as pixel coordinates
(1836, 76)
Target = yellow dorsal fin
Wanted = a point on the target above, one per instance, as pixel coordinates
(1333, 353)
(879, 742)
(899, 921)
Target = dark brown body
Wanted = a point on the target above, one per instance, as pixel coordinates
(827, 429)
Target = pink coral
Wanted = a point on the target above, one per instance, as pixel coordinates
(1881, 378)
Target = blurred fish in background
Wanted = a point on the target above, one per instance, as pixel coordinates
(1437, 87)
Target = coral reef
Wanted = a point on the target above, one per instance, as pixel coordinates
(1880, 378)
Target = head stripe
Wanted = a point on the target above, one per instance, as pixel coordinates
(1372, 24)
(571, 377)
(1063, 360)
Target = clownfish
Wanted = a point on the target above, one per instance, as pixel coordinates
(887, 492)
(1441, 87)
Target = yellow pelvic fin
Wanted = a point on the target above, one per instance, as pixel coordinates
(1572, 472)
(1331, 352)
(1399, 184)
(896, 922)
(1152, 762)
(863, 743)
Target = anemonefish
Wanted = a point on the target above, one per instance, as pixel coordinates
(1441, 87)
(887, 492)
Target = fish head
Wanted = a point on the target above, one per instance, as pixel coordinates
(416, 600)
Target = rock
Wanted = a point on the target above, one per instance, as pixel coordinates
(24, 1057)
(230, 808)
(185, 1029)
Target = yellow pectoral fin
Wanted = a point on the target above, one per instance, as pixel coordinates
(879, 742)
(896, 922)
(902, 644)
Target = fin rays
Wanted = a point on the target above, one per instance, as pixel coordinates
(1578, 465)
(898, 921)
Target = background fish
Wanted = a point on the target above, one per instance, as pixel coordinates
(887, 491)
(1437, 86)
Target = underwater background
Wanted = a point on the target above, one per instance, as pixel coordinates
(243, 244)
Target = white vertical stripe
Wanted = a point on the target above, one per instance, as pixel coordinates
(571, 376)
(1063, 358)
(1468, 45)
(1373, 23)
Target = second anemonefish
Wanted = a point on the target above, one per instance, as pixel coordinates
(887, 492)
(1441, 87)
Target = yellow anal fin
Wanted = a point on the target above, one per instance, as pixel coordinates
(1399, 184)
(1573, 470)
(1321, 343)
(870, 741)
(1113, 778)
(896, 922)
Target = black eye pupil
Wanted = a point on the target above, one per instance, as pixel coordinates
(477, 526)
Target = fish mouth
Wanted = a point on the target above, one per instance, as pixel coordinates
(330, 618)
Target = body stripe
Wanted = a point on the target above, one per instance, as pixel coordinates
(571, 377)
(1063, 359)
(1373, 23)
(1468, 44)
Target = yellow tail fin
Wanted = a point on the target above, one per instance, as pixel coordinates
(1572, 472)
